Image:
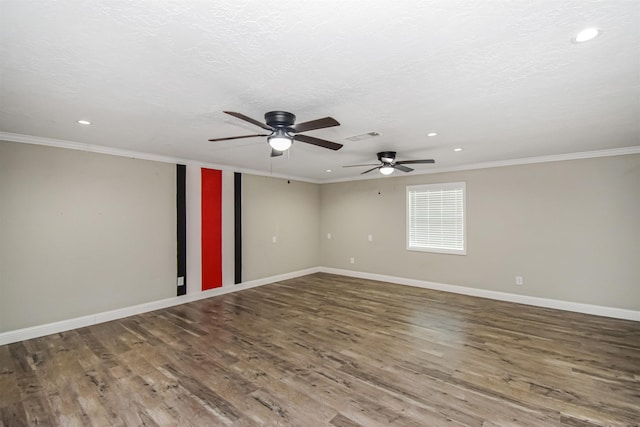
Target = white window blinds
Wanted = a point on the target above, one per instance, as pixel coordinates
(436, 218)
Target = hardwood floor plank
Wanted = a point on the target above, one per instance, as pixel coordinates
(65, 405)
(38, 411)
(13, 415)
(326, 350)
(342, 421)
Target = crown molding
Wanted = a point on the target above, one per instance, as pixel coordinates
(38, 140)
(623, 151)
(101, 149)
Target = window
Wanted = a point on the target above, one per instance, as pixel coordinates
(436, 218)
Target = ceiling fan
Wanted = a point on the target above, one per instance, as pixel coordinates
(284, 131)
(388, 163)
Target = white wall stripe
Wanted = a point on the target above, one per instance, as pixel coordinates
(194, 229)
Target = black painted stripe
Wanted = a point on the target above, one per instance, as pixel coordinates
(181, 204)
(237, 225)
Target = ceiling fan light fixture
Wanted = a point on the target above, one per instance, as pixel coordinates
(280, 141)
(386, 170)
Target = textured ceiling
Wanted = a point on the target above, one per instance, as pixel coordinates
(501, 79)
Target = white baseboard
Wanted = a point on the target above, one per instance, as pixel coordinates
(618, 313)
(106, 316)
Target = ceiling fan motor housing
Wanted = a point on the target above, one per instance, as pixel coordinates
(387, 157)
(279, 119)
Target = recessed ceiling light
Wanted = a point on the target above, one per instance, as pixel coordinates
(84, 122)
(586, 35)
(457, 149)
(328, 170)
(432, 134)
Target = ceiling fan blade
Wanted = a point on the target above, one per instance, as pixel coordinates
(236, 137)
(275, 153)
(355, 166)
(372, 169)
(325, 122)
(402, 168)
(409, 162)
(317, 141)
(248, 119)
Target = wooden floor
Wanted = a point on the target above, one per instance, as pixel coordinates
(329, 350)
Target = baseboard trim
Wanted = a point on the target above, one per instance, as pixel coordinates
(79, 322)
(107, 316)
(617, 313)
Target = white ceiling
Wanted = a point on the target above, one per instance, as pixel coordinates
(502, 79)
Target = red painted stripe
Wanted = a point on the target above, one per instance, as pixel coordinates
(211, 228)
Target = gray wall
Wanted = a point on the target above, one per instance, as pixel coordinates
(291, 213)
(570, 228)
(82, 233)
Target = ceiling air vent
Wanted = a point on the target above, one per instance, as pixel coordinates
(363, 136)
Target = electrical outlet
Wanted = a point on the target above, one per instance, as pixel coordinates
(519, 280)
(352, 260)
(370, 237)
(181, 281)
(328, 236)
(274, 239)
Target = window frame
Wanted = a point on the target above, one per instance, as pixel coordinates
(441, 186)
